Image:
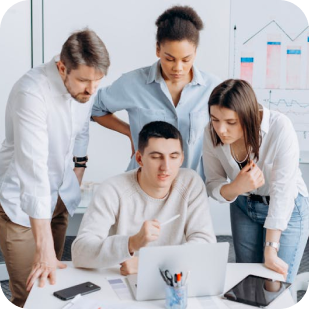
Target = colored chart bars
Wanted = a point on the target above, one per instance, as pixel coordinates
(273, 67)
(246, 67)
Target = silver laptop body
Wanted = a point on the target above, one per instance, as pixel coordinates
(206, 262)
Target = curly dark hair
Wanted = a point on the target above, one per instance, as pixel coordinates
(179, 23)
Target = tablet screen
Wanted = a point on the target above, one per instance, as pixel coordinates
(256, 291)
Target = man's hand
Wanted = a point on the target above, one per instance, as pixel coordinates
(45, 262)
(129, 267)
(149, 232)
(248, 179)
(44, 266)
(273, 262)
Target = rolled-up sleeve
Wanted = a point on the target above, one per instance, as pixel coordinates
(31, 154)
(115, 97)
(82, 139)
(282, 177)
(215, 174)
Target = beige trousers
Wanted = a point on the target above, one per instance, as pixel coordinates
(18, 247)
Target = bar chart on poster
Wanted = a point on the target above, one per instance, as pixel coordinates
(269, 48)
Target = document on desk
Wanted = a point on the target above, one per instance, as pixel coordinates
(120, 288)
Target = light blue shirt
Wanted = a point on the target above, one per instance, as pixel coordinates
(144, 94)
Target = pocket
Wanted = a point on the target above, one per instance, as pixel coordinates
(149, 115)
(198, 122)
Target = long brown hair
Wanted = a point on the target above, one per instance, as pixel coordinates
(238, 95)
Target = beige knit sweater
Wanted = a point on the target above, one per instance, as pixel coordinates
(120, 207)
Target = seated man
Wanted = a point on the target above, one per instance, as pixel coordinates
(126, 211)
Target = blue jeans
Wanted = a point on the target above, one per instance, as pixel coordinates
(248, 218)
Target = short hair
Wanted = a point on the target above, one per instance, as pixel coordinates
(179, 23)
(157, 129)
(238, 95)
(85, 48)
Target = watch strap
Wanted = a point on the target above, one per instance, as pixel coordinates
(273, 244)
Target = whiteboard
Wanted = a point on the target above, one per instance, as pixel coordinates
(269, 47)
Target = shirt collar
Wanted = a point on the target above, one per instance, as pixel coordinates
(156, 76)
(55, 81)
(265, 120)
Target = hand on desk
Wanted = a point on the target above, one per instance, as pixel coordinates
(129, 267)
(44, 266)
(273, 262)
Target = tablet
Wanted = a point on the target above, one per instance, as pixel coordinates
(256, 291)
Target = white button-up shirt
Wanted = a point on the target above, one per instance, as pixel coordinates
(279, 162)
(44, 128)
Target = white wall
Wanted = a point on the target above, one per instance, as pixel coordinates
(15, 51)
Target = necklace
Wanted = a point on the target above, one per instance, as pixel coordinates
(235, 157)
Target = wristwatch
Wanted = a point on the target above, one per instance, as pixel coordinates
(275, 245)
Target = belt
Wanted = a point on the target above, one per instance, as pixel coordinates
(259, 198)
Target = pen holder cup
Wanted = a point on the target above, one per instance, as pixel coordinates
(176, 297)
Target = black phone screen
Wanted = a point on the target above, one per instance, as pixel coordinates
(71, 292)
(256, 291)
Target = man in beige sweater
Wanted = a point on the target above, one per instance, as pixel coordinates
(127, 210)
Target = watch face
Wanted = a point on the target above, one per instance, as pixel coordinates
(275, 245)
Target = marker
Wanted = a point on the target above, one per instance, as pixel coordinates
(178, 280)
(71, 303)
(170, 220)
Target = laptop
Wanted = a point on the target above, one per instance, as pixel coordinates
(206, 263)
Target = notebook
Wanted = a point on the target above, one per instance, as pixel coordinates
(206, 263)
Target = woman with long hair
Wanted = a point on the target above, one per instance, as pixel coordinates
(251, 160)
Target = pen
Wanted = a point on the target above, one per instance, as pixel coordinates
(170, 220)
(71, 303)
(187, 278)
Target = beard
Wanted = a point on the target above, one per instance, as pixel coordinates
(79, 97)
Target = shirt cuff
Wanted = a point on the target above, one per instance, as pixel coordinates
(98, 113)
(275, 223)
(80, 149)
(124, 245)
(217, 195)
(36, 207)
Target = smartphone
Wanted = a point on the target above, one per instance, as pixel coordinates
(256, 291)
(71, 292)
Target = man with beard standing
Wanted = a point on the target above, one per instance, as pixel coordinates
(46, 124)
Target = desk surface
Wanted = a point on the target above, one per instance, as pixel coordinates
(72, 276)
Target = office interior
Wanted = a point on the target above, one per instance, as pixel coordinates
(33, 31)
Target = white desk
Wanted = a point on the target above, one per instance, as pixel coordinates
(43, 297)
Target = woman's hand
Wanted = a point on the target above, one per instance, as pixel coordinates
(273, 262)
(249, 178)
